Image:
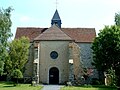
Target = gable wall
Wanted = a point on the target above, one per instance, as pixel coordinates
(46, 62)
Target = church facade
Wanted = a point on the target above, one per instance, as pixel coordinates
(54, 51)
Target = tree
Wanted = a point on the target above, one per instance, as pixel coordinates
(18, 55)
(1, 67)
(117, 19)
(106, 49)
(5, 34)
(16, 74)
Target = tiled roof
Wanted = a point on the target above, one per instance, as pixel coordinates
(53, 33)
(77, 34)
(29, 32)
(81, 34)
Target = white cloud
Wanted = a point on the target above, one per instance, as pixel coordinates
(25, 19)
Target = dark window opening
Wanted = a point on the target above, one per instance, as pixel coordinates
(54, 55)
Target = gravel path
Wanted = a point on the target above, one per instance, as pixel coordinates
(52, 87)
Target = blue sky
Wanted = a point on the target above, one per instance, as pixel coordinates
(73, 13)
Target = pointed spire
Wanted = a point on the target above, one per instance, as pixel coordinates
(56, 19)
(56, 16)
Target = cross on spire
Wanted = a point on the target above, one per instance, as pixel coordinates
(56, 3)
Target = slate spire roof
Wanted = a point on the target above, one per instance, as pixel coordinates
(53, 33)
(56, 19)
(56, 16)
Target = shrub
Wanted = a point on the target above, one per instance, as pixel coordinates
(16, 74)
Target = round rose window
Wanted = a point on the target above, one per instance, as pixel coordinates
(53, 54)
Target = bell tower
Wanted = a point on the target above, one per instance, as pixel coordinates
(56, 19)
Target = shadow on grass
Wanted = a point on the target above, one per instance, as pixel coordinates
(9, 86)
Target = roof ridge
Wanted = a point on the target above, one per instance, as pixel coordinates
(53, 33)
(29, 27)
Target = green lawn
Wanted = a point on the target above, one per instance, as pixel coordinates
(85, 88)
(8, 86)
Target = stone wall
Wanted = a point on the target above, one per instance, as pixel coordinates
(82, 58)
(46, 62)
(62, 47)
(77, 64)
(87, 57)
(29, 64)
(28, 74)
(86, 54)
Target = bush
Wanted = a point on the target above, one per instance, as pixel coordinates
(96, 81)
(16, 74)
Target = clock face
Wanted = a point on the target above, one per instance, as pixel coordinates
(53, 54)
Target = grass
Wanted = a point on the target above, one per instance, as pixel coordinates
(10, 86)
(87, 88)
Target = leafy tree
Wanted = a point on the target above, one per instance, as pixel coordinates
(106, 49)
(16, 74)
(5, 34)
(117, 19)
(18, 55)
(1, 67)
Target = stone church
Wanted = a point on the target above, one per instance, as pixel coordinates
(56, 54)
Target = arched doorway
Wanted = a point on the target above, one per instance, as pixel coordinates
(54, 76)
